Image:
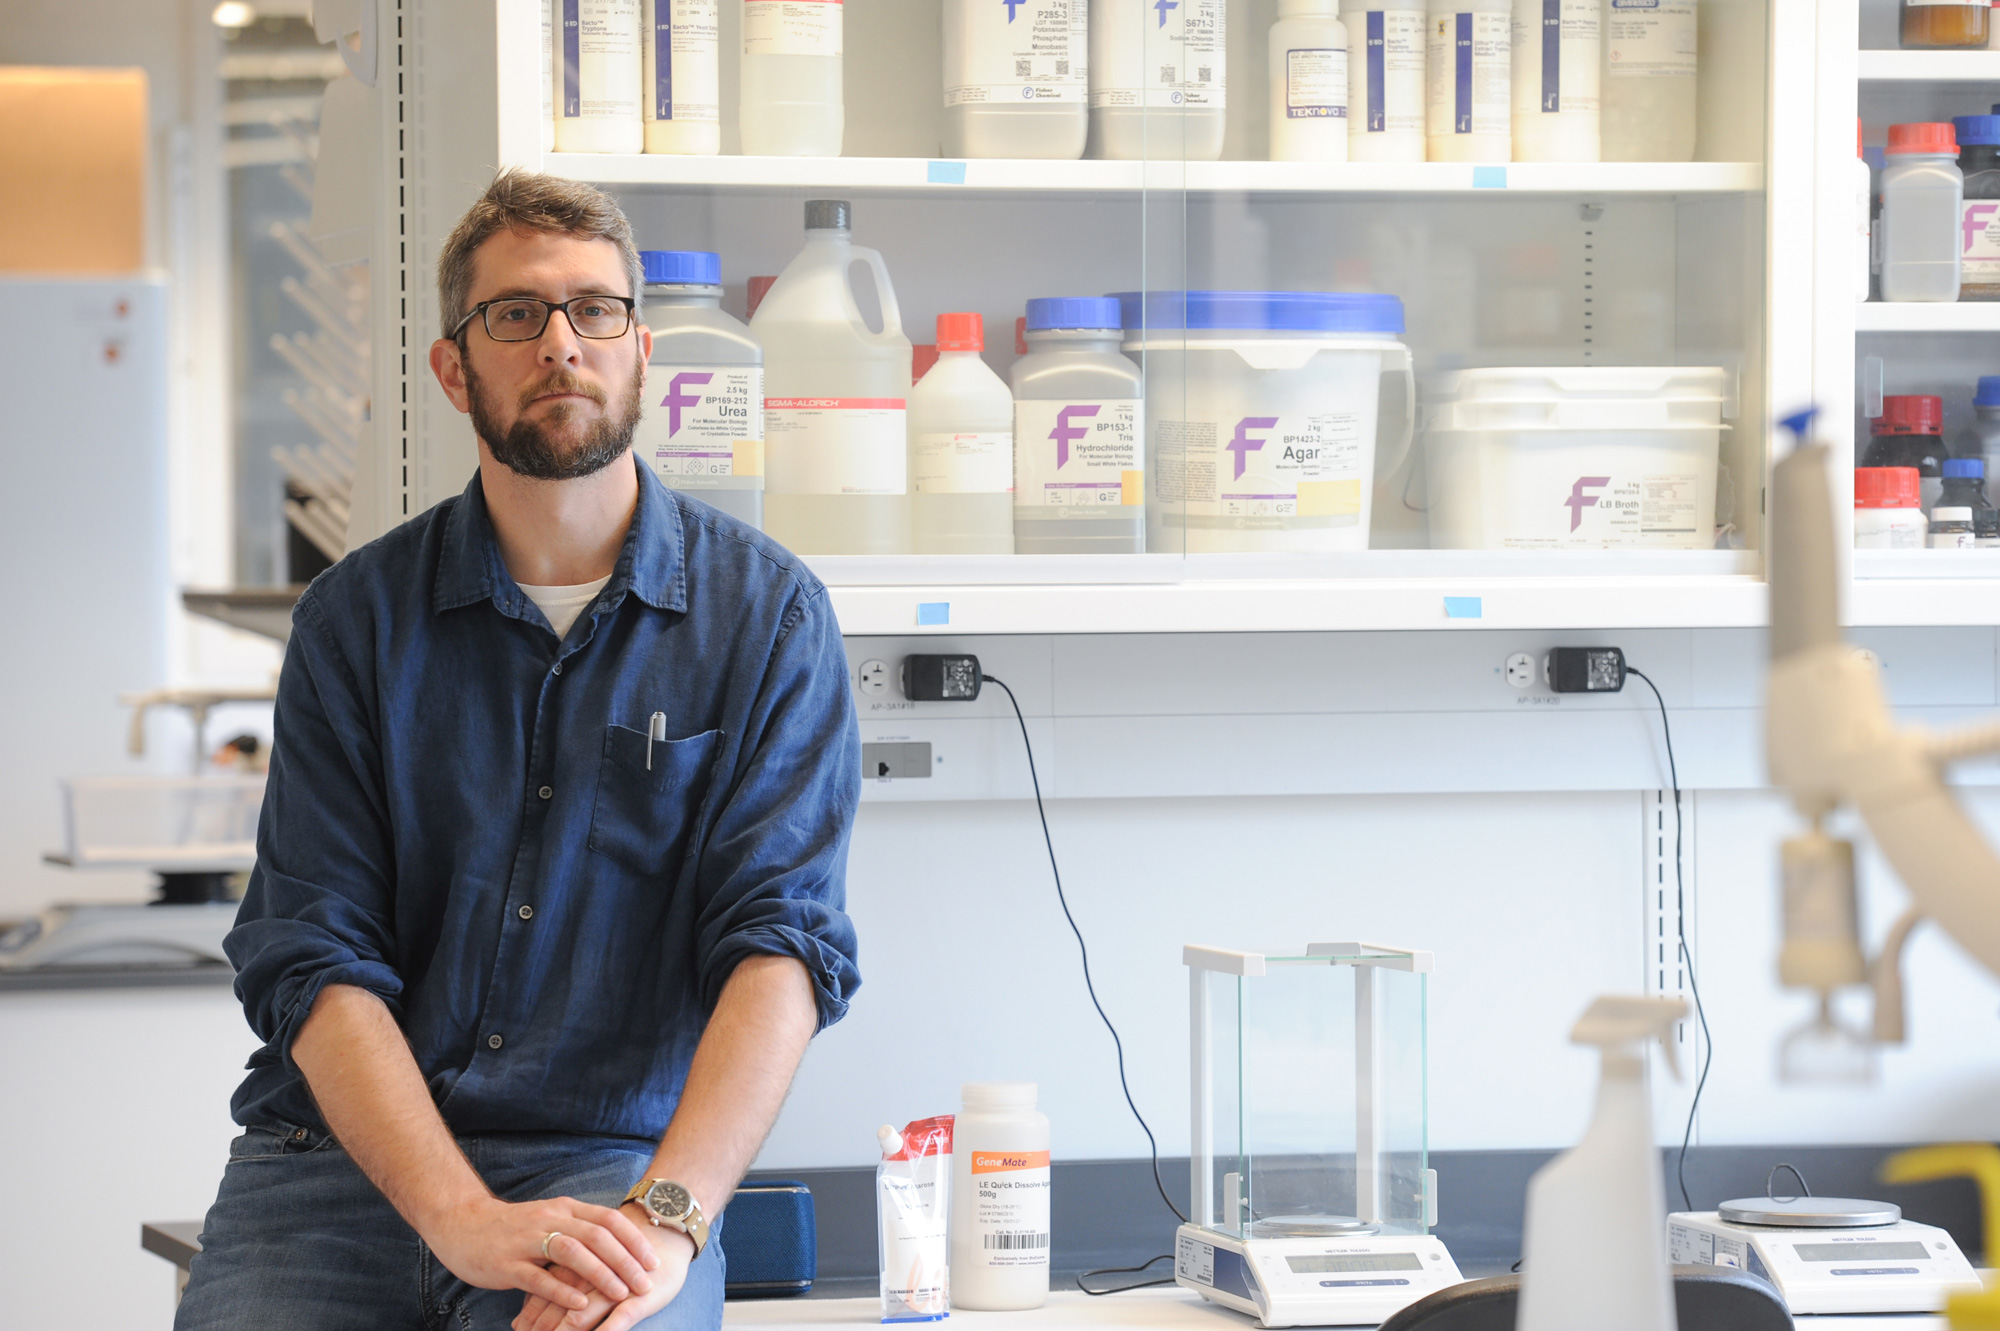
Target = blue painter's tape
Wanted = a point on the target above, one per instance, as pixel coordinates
(1489, 177)
(939, 612)
(1461, 607)
(947, 173)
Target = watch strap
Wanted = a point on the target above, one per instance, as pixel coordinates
(692, 1223)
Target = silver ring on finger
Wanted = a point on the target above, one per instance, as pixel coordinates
(547, 1239)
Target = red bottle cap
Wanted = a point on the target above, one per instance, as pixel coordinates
(1937, 138)
(1918, 413)
(1020, 335)
(1860, 136)
(758, 286)
(960, 332)
(1887, 487)
(923, 355)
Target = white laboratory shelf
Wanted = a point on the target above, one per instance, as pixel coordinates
(1930, 67)
(1917, 316)
(1925, 588)
(1371, 178)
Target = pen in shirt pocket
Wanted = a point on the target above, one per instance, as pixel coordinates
(656, 729)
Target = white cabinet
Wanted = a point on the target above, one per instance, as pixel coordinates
(1718, 261)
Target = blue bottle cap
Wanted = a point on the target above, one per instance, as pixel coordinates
(1876, 156)
(1046, 312)
(1964, 469)
(1988, 392)
(1263, 311)
(1977, 129)
(688, 268)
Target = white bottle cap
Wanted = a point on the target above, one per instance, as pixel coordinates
(996, 1095)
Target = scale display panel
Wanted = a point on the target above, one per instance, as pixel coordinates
(1902, 1267)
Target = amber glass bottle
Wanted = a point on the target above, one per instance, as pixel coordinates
(1931, 24)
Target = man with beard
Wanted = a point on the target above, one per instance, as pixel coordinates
(550, 878)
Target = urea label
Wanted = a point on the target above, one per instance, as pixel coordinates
(1015, 52)
(1010, 1207)
(1303, 468)
(703, 428)
(962, 462)
(1080, 458)
(1161, 53)
(791, 27)
(1316, 84)
(835, 446)
(1650, 38)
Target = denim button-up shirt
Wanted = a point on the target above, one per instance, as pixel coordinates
(466, 817)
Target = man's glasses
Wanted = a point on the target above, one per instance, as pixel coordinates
(522, 318)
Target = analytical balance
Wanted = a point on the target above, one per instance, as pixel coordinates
(1312, 1193)
(1828, 1254)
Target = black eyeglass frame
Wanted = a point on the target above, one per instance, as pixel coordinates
(549, 308)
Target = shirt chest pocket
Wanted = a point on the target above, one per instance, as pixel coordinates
(645, 814)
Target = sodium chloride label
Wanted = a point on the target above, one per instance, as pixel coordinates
(1158, 53)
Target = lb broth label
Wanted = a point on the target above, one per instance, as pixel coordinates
(1605, 510)
(1010, 1207)
(1304, 469)
(835, 446)
(1080, 459)
(703, 427)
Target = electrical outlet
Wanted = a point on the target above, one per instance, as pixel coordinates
(872, 678)
(1520, 670)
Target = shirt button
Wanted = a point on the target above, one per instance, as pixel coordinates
(494, 1042)
(545, 792)
(556, 669)
(527, 912)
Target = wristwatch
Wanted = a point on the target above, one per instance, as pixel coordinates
(666, 1202)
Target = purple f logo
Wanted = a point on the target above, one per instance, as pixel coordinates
(1065, 433)
(1012, 5)
(675, 399)
(1242, 445)
(1579, 501)
(1163, 6)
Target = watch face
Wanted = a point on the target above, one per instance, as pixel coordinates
(668, 1200)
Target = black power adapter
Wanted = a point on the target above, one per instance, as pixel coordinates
(1585, 669)
(941, 678)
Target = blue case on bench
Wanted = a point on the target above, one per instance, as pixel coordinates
(768, 1240)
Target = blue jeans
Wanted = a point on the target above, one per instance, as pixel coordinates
(299, 1238)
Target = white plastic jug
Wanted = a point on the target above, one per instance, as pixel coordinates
(836, 478)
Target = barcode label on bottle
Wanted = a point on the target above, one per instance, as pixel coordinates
(1016, 1242)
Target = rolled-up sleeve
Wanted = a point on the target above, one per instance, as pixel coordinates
(773, 875)
(319, 909)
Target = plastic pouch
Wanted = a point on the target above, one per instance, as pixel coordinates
(913, 1206)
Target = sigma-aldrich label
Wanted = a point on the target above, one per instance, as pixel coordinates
(1079, 459)
(1298, 470)
(1014, 52)
(703, 427)
(835, 446)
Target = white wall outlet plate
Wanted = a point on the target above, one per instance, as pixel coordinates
(1520, 670)
(872, 678)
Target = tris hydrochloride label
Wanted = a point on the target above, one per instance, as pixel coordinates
(791, 27)
(1471, 75)
(1160, 53)
(681, 60)
(1316, 84)
(1232, 473)
(600, 52)
(835, 446)
(703, 428)
(962, 463)
(1650, 38)
(1016, 52)
(1010, 1207)
(1080, 459)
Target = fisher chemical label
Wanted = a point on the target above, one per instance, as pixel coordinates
(963, 463)
(1012, 52)
(1305, 467)
(600, 52)
(1316, 84)
(1079, 457)
(1562, 41)
(682, 60)
(1650, 38)
(791, 27)
(1980, 261)
(1603, 512)
(1010, 1207)
(1470, 72)
(703, 427)
(835, 446)
(1392, 72)
(1159, 53)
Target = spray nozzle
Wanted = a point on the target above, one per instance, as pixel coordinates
(1617, 1020)
(1800, 423)
(890, 1139)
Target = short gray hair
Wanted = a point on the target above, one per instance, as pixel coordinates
(531, 202)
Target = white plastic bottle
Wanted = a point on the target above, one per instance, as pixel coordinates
(1079, 433)
(961, 449)
(1864, 207)
(1000, 1199)
(597, 70)
(1157, 79)
(836, 477)
(1649, 81)
(683, 79)
(1385, 80)
(549, 74)
(1467, 60)
(1558, 49)
(1594, 1243)
(1922, 199)
(790, 102)
(1308, 83)
(703, 427)
(1016, 78)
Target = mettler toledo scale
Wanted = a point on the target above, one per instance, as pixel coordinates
(1313, 1195)
(1828, 1254)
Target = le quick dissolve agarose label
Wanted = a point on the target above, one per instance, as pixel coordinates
(1078, 457)
(1018, 51)
(703, 427)
(1010, 1207)
(791, 27)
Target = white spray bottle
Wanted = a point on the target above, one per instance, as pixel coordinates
(1594, 1254)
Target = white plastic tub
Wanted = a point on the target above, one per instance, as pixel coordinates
(1574, 458)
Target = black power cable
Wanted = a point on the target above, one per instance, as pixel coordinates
(1680, 932)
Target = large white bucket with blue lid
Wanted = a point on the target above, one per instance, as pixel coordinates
(1261, 415)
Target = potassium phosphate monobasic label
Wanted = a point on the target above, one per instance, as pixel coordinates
(1306, 466)
(966, 463)
(600, 68)
(1470, 71)
(703, 428)
(1081, 458)
(1010, 1207)
(1316, 84)
(1389, 97)
(791, 27)
(1979, 263)
(1563, 43)
(1606, 511)
(1650, 38)
(681, 56)
(1160, 53)
(835, 446)
(1014, 52)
